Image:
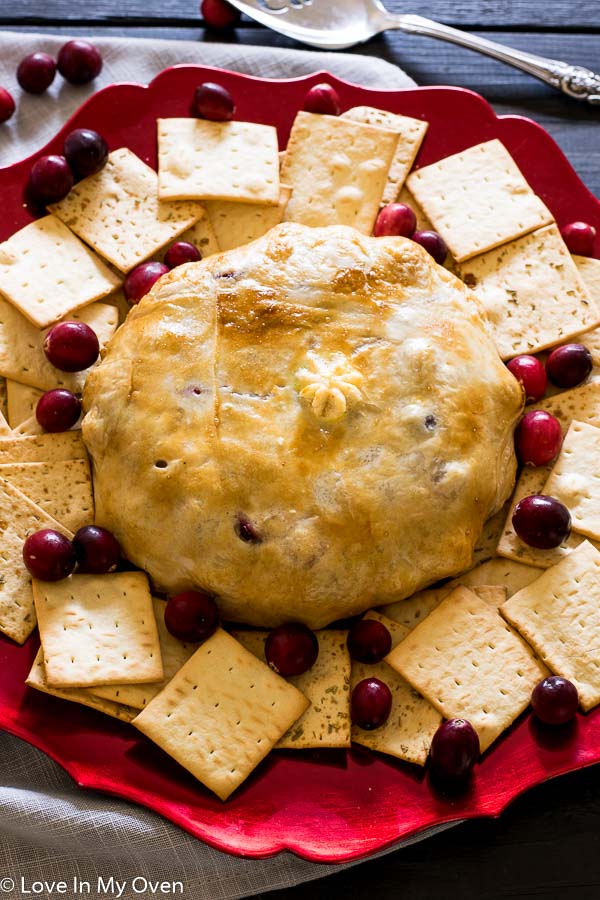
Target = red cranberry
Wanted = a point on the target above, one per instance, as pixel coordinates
(219, 14)
(579, 238)
(181, 252)
(36, 73)
(86, 152)
(569, 365)
(541, 521)
(291, 649)
(434, 243)
(97, 549)
(50, 179)
(530, 372)
(58, 410)
(79, 62)
(555, 700)
(7, 105)
(191, 616)
(396, 219)
(72, 346)
(141, 279)
(322, 99)
(454, 751)
(370, 704)
(48, 555)
(538, 438)
(213, 101)
(369, 641)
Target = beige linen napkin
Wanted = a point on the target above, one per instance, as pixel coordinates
(50, 829)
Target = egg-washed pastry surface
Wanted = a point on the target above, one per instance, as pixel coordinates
(306, 426)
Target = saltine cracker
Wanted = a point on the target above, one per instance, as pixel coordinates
(46, 272)
(222, 713)
(468, 663)
(337, 170)
(98, 629)
(559, 615)
(117, 211)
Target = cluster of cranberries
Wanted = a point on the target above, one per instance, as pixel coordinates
(85, 152)
(78, 62)
(70, 346)
(50, 556)
(541, 521)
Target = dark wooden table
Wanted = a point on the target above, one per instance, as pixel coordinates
(546, 846)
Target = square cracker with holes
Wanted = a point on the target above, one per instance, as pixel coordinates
(478, 199)
(201, 159)
(221, 713)
(532, 291)
(47, 272)
(22, 356)
(412, 722)
(326, 722)
(559, 615)
(21, 400)
(63, 488)
(174, 654)
(236, 224)
(37, 679)
(19, 517)
(467, 662)
(98, 629)
(337, 170)
(575, 478)
(411, 133)
(589, 269)
(118, 213)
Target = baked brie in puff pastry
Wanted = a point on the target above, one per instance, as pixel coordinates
(307, 426)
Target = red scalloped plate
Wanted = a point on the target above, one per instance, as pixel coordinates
(327, 806)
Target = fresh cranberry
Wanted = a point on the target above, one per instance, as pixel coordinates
(555, 700)
(7, 105)
(50, 179)
(36, 73)
(530, 372)
(322, 99)
(72, 346)
(86, 152)
(79, 62)
(97, 549)
(579, 238)
(541, 521)
(538, 438)
(369, 641)
(291, 649)
(454, 751)
(569, 365)
(434, 243)
(213, 101)
(191, 616)
(58, 410)
(181, 252)
(370, 703)
(141, 279)
(395, 219)
(49, 555)
(219, 14)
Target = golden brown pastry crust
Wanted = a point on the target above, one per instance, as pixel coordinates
(306, 426)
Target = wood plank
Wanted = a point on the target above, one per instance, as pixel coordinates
(468, 13)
